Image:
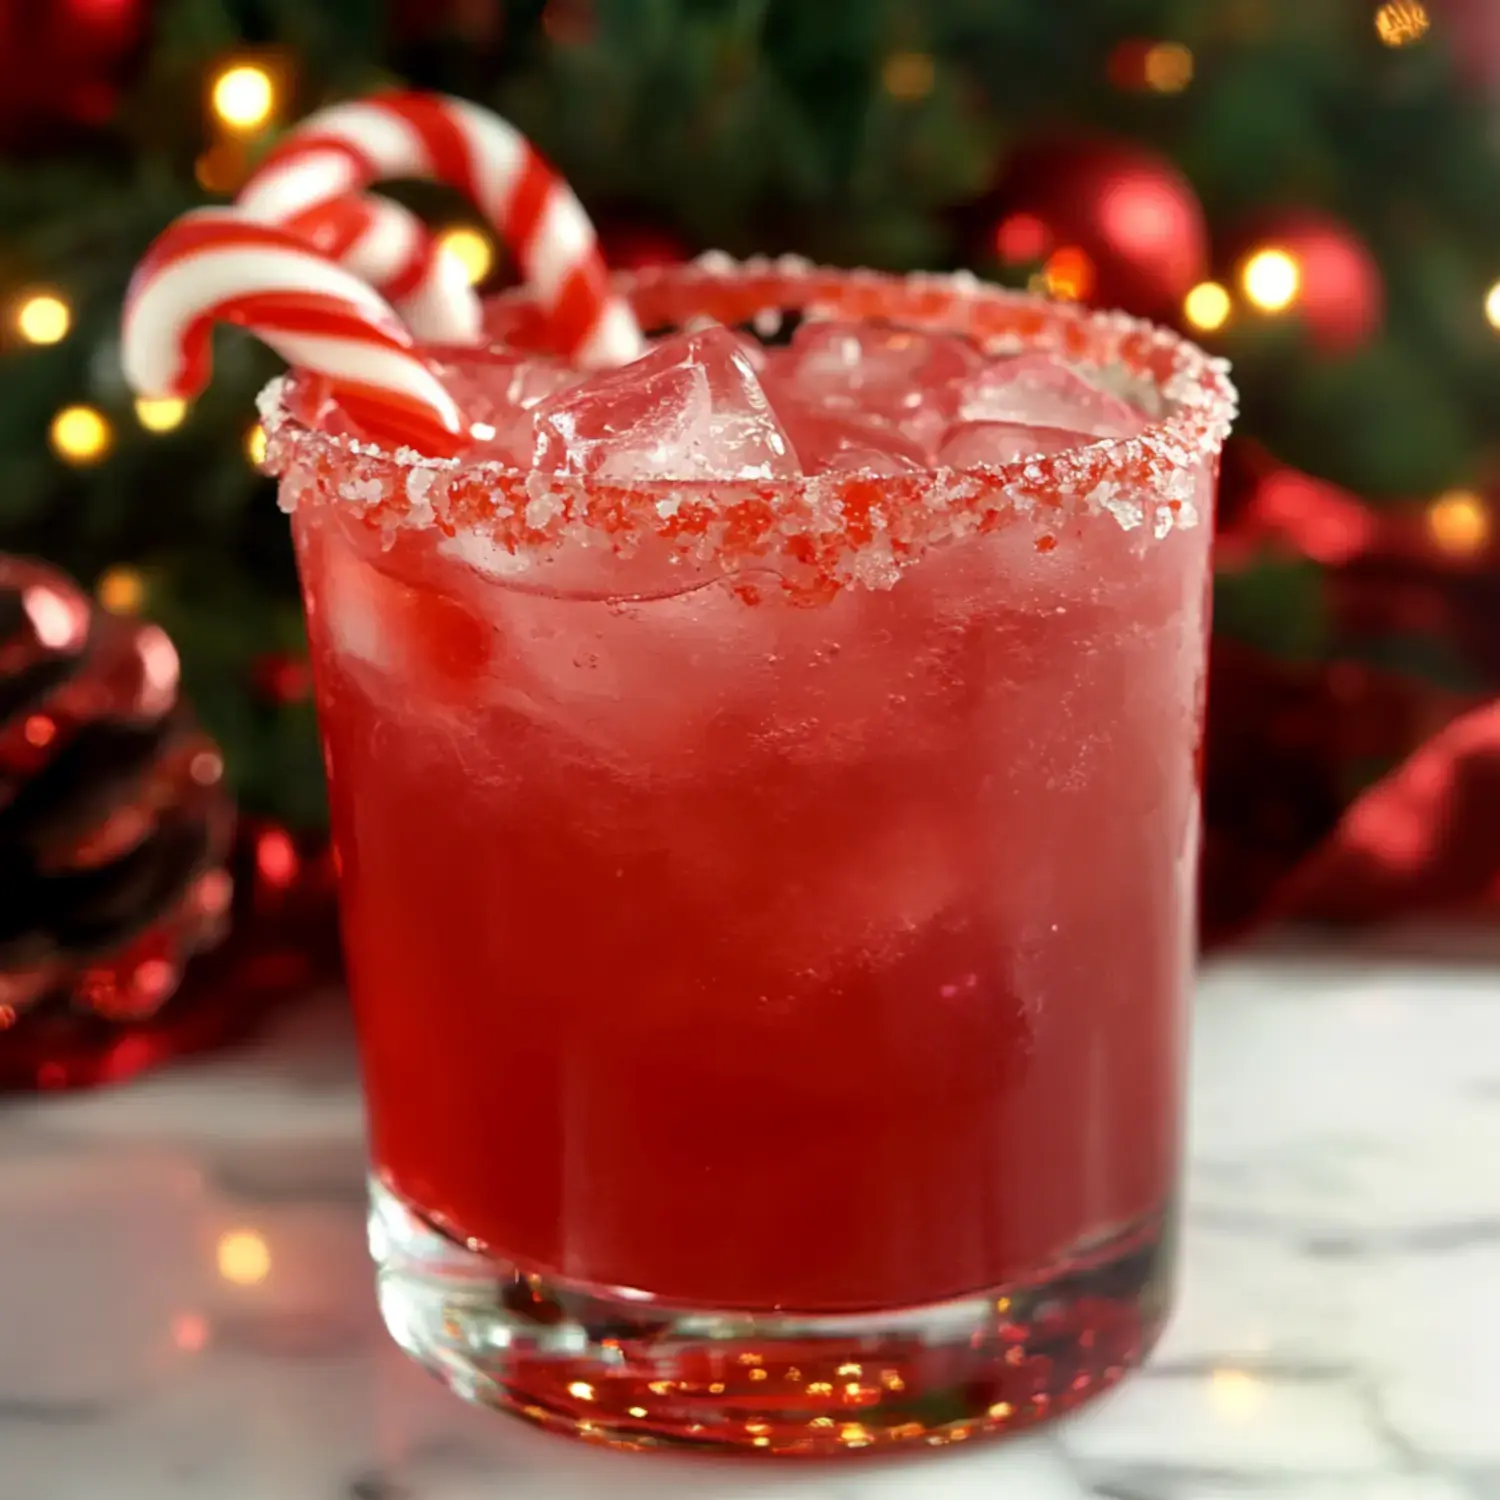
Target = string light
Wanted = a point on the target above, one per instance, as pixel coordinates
(80, 435)
(1492, 307)
(1168, 67)
(43, 318)
(1021, 238)
(1272, 280)
(243, 1257)
(474, 250)
(243, 97)
(160, 415)
(121, 590)
(908, 75)
(1459, 523)
(255, 445)
(1069, 274)
(1208, 306)
(1402, 22)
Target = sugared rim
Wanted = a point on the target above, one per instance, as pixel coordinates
(832, 529)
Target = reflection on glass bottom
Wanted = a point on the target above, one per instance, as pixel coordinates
(619, 1368)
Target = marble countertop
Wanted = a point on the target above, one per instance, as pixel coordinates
(186, 1310)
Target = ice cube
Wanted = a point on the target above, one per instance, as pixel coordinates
(972, 444)
(1040, 391)
(828, 442)
(412, 633)
(639, 684)
(692, 408)
(496, 391)
(875, 372)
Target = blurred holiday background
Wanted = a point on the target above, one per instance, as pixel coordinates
(1307, 186)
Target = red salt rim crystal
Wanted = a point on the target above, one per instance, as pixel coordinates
(821, 532)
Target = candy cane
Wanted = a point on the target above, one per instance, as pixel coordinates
(216, 265)
(341, 150)
(395, 252)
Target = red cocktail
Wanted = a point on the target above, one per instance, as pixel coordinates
(765, 788)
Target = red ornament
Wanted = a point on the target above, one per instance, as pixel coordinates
(1341, 297)
(636, 247)
(1472, 32)
(1130, 213)
(64, 63)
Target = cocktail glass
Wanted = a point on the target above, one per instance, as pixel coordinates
(769, 903)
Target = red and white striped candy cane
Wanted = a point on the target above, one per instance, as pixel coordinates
(396, 253)
(217, 266)
(342, 150)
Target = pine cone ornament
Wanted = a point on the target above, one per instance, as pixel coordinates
(114, 832)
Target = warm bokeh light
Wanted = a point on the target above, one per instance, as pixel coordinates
(80, 435)
(255, 444)
(1459, 522)
(43, 318)
(190, 1332)
(908, 75)
(1069, 274)
(276, 858)
(243, 1257)
(160, 415)
(121, 590)
(1168, 67)
(1402, 22)
(474, 250)
(1208, 306)
(222, 167)
(1271, 279)
(1492, 306)
(243, 97)
(1235, 1393)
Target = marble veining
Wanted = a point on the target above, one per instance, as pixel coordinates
(186, 1310)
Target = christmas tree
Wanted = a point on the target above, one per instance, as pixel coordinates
(1300, 183)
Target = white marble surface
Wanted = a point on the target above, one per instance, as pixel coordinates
(185, 1307)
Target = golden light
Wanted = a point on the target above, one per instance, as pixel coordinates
(1068, 274)
(581, 1390)
(160, 415)
(255, 445)
(1208, 306)
(1459, 522)
(243, 97)
(1402, 22)
(80, 435)
(121, 590)
(44, 318)
(474, 250)
(1272, 280)
(1168, 67)
(1492, 307)
(908, 75)
(243, 1256)
(1236, 1393)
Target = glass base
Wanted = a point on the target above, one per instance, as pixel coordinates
(617, 1367)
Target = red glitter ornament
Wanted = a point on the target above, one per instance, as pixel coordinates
(1130, 212)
